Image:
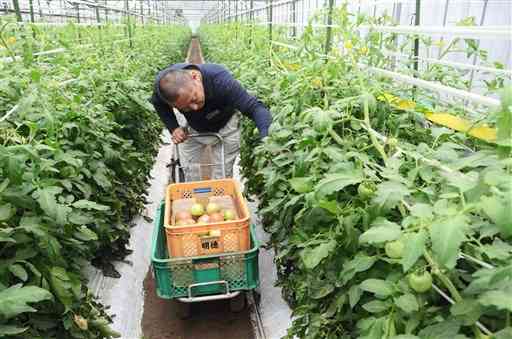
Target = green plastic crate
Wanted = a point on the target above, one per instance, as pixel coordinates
(174, 275)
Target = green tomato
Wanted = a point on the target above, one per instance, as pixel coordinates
(394, 249)
(229, 215)
(366, 190)
(212, 208)
(197, 210)
(420, 282)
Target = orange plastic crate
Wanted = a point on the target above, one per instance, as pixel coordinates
(207, 239)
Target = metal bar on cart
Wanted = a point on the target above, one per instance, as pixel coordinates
(226, 295)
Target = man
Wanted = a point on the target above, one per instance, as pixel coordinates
(206, 98)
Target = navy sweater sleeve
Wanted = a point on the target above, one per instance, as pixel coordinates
(164, 112)
(236, 96)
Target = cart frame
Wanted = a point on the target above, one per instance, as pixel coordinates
(177, 175)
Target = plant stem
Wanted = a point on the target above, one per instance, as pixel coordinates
(444, 279)
(374, 140)
(336, 137)
(449, 285)
(11, 53)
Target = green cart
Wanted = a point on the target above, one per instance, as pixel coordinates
(205, 278)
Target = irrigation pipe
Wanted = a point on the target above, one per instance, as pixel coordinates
(473, 32)
(475, 98)
(459, 65)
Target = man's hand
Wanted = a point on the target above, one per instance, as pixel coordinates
(179, 135)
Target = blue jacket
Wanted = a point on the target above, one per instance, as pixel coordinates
(223, 96)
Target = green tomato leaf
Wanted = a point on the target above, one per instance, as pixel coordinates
(376, 306)
(336, 181)
(334, 153)
(381, 231)
(422, 211)
(498, 210)
(390, 193)
(502, 300)
(89, 205)
(447, 235)
(442, 330)
(321, 119)
(506, 333)
(80, 218)
(61, 285)
(101, 178)
(354, 294)
(362, 262)
(322, 291)
(11, 330)
(501, 273)
(377, 286)
(62, 214)
(302, 185)
(497, 250)
(329, 205)
(15, 299)
(414, 247)
(504, 119)
(4, 185)
(463, 182)
(47, 200)
(407, 302)
(18, 271)
(312, 256)
(85, 234)
(6, 212)
(469, 309)
(5, 235)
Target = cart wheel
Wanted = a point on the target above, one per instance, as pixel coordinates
(183, 310)
(237, 303)
(256, 294)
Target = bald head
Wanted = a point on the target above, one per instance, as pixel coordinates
(173, 83)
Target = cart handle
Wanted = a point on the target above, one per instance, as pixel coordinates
(208, 134)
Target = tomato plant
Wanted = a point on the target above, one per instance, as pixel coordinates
(344, 178)
(75, 157)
